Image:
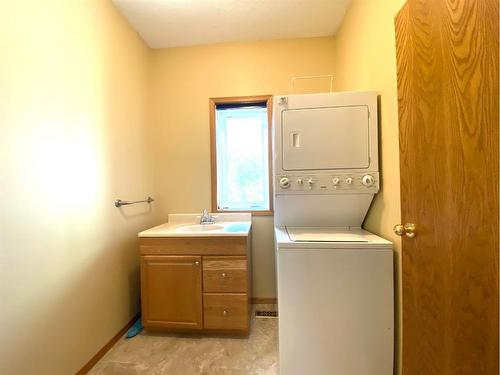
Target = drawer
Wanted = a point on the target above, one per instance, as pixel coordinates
(225, 275)
(225, 311)
(194, 246)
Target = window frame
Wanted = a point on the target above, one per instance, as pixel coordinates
(213, 102)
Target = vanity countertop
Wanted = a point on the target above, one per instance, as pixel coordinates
(188, 225)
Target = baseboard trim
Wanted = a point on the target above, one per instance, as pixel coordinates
(88, 366)
(258, 300)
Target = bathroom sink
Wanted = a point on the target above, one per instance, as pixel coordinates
(200, 228)
(188, 225)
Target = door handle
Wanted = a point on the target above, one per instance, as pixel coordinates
(295, 139)
(408, 230)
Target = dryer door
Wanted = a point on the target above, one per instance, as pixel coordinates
(325, 138)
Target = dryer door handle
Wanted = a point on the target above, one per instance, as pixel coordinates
(295, 139)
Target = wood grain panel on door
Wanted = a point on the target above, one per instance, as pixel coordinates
(447, 61)
(171, 291)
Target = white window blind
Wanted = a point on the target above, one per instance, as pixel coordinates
(242, 158)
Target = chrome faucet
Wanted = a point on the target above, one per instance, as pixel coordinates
(206, 218)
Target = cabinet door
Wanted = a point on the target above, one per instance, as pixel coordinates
(171, 292)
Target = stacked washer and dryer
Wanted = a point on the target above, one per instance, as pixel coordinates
(335, 280)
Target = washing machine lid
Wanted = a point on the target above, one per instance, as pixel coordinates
(328, 237)
(326, 234)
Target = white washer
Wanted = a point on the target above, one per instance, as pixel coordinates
(335, 301)
(335, 280)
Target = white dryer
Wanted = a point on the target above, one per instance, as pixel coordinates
(335, 280)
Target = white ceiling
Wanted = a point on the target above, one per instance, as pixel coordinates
(170, 23)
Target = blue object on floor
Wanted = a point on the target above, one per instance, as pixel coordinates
(135, 329)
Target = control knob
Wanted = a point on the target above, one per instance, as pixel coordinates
(335, 181)
(348, 180)
(368, 180)
(310, 182)
(300, 181)
(284, 182)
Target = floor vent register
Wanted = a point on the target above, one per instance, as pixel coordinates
(266, 314)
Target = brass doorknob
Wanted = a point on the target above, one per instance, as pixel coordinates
(408, 230)
(399, 229)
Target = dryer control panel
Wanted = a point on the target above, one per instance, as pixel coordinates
(328, 183)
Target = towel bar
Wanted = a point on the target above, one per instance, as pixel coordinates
(119, 202)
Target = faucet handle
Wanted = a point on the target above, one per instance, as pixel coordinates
(205, 217)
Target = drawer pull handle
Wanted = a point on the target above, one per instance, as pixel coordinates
(223, 275)
(225, 313)
(197, 263)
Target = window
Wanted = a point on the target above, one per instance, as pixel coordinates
(241, 154)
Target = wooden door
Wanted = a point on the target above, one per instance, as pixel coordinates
(447, 61)
(171, 291)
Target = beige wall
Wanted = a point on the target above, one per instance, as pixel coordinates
(183, 80)
(365, 59)
(73, 89)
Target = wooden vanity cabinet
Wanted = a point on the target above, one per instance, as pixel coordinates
(196, 284)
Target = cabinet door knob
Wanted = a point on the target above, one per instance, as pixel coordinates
(197, 263)
(225, 313)
(223, 275)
